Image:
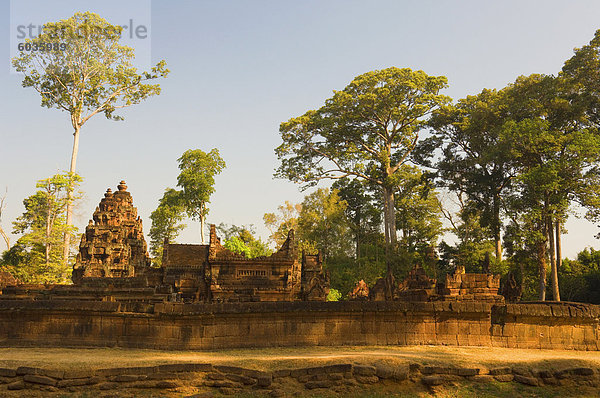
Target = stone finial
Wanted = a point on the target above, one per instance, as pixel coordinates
(122, 186)
(108, 193)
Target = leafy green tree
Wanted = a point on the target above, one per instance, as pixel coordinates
(92, 75)
(367, 131)
(556, 157)
(242, 240)
(474, 242)
(322, 224)
(475, 160)
(417, 211)
(582, 72)
(166, 222)
(280, 223)
(43, 225)
(197, 180)
(363, 211)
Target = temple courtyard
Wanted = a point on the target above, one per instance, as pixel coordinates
(370, 371)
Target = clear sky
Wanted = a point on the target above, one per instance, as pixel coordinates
(240, 68)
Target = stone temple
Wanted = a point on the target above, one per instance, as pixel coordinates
(113, 253)
(113, 265)
(113, 244)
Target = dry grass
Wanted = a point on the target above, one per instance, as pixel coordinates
(271, 358)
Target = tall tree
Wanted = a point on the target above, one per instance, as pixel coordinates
(85, 73)
(43, 225)
(197, 180)
(166, 222)
(368, 131)
(556, 156)
(475, 159)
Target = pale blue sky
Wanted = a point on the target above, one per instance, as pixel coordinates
(240, 68)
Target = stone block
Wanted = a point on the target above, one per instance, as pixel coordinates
(503, 378)
(467, 371)
(240, 378)
(281, 373)
(500, 371)
(17, 385)
(367, 379)
(127, 378)
(530, 381)
(27, 370)
(4, 372)
(311, 385)
(432, 380)
(39, 379)
(264, 381)
(164, 384)
(364, 370)
(72, 383)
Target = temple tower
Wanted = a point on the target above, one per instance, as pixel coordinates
(113, 244)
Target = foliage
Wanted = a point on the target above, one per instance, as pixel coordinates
(474, 242)
(93, 75)
(367, 131)
(197, 180)
(37, 257)
(322, 224)
(334, 295)
(241, 240)
(166, 223)
(475, 160)
(363, 210)
(417, 211)
(345, 271)
(280, 224)
(580, 278)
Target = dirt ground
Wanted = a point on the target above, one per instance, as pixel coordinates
(275, 358)
(279, 358)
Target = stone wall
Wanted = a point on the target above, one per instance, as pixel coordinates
(267, 324)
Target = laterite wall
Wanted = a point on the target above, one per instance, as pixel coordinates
(213, 326)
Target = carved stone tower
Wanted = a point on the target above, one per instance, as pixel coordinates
(113, 244)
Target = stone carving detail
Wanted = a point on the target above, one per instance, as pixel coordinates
(470, 287)
(315, 281)
(417, 286)
(113, 244)
(360, 291)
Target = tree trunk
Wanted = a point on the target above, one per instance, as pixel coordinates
(5, 237)
(554, 261)
(541, 252)
(496, 228)
(4, 234)
(48, 231)
(69, 222)
(558, 246)
(390, 225)
(202, 229)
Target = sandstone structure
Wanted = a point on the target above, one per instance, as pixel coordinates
(113, 244)
(360, 291)
(214, 273)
